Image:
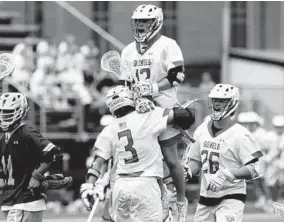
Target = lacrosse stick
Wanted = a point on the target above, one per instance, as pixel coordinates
(111, 62)
(7, 65)
(184, 105)
(278, 209)
(91, 215)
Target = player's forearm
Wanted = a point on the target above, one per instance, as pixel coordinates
(241, 173)
(164, 84)
(39, 172)
(194, 167)
(95, 170)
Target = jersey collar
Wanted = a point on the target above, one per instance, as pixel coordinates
(155, 39)
(209, 127)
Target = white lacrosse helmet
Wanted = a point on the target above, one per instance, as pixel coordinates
(249, 117)
(229, 94)
(118, 97)
(146, 12)
(278, 121)
(13, 108)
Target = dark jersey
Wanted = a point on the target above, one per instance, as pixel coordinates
(20, 155)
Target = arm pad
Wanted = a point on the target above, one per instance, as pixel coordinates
(95, 169)
(172, 74)
(51, 155)
(254, 169)
(183, 118)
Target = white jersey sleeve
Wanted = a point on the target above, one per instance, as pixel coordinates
(103, 146)
(125, 66)
(174, 55)
(247, 148)
(158, 120)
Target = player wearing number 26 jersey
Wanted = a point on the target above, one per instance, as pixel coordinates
(226, 154)
(133, 138)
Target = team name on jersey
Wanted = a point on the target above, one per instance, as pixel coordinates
(142, 62)
(212, 145)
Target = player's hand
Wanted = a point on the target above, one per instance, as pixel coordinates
(216, 182)
(180, 77)
(143, 105)
(2, 183)
(34, 183)
(88, 195)
(187, 174)
(145, 88)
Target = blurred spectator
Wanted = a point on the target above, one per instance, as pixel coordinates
(206, 82)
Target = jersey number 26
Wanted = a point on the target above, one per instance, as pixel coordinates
(212, 158)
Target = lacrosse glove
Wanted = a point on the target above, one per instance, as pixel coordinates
(56, 181)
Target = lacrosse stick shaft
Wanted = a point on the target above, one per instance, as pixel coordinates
(91, 215)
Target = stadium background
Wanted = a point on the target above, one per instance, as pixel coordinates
(218, 40)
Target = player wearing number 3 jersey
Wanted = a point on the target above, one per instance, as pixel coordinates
(133, 137)
(156, 66)
(226, 154)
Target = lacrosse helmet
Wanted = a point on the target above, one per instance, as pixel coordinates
(249, 117)
(143, 13)
(223, 101)
(119, 97)
(13, 108)
(278, 121)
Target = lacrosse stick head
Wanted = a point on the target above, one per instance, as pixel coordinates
(278, 209)
(111, 62)
(7, 65)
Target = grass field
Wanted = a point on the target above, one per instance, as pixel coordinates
(251, 215)
(255, 217)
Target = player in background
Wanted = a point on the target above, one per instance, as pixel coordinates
(252, 121)
(156, 65)
(25, 156)
(226, 154)
(275, 156)
(133, 137)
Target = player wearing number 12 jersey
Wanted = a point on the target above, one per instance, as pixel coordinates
(156, 65)
(133, 137)
(226, 154)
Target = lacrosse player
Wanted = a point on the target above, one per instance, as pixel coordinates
(155, 63)
(226, 154)
(133, 138)
(25, 156)
(252, 121)
(275, 156)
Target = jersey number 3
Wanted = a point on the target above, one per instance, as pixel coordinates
(129, 147)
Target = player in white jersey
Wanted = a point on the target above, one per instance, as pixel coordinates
(252, 121)
(156, 65)
(226, 154)
(133, 138)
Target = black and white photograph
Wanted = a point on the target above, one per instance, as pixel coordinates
(132, 111)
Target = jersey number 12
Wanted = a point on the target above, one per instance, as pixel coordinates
(129, 147)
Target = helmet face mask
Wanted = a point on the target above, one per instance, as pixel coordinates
(119, 97)
(13, 108)
(142, 27)
(223, 101)
(146, 22)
